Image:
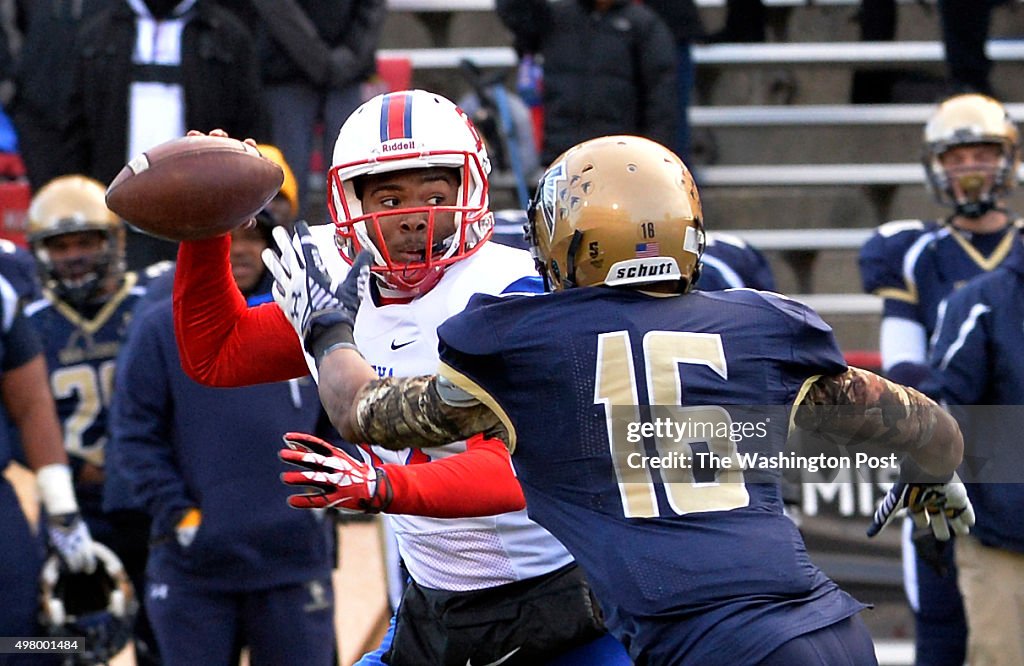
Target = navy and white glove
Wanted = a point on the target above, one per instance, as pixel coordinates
(940, 506)
(314, 291)
(338, 480)
(70, 537)
(68, 533)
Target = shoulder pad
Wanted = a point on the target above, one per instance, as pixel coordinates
(728, 239)
(788, 307)
(899, 226)
(159, 268)
(35, 306)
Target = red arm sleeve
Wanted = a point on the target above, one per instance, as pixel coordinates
(478, 482)
(222, 342)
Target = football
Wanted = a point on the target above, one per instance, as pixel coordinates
(194, 187)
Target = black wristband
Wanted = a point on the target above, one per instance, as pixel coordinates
(326, 334)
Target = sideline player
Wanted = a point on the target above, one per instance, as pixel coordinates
(88, 300)
(28, 404)
(971, 155)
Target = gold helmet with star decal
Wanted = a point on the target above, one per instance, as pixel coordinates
(76, 204)
(615, 211)
(970, 119)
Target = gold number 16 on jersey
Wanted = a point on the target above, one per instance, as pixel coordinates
(616, 387)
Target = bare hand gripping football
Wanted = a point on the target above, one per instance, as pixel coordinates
(194, 187)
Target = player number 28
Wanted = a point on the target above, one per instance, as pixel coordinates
(93, 391)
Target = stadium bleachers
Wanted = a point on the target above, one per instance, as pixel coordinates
(818, 54)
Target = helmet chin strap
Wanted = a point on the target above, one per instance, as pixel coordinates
(975, 209)
(975, 202)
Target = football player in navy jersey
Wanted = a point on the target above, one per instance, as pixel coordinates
(28, 404)
(971, 155)
(18, 266)
(730, 262)
(87, 303)
(977, 358)
(691, 566)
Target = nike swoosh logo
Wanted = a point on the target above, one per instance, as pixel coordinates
(469, 662)
(395, 347)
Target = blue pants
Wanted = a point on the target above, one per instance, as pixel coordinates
(685, 75)
(292, 624)
(294, 109)
(21, 560)
(940, 624)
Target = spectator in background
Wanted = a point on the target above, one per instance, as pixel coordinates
(43, 79)
(877, 19)
(682, 18)
(972, 153)
(28, 403)
(315, 56)
(144, 72)
(88, 300)
(608, 69)
(224, 569)
(965, 26)
(744, 22)
(977, 357)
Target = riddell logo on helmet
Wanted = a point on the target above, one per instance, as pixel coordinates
(398, 145)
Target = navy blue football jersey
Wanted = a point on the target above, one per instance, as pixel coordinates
(729, 262)
(19, 344)
(19, 267)
(914, 264)
(977, 354)
(692, 565)
(81, 351)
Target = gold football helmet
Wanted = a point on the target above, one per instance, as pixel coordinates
(969, 120)
(617, 210)
(74, 204)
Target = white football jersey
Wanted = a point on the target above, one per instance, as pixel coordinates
(400, 340)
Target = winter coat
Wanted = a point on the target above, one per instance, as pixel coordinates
(219, 73)
(604, 72)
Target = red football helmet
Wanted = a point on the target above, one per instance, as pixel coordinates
(412, 129)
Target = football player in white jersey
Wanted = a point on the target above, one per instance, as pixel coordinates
(409, 183)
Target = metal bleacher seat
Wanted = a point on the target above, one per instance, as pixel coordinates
(751, 55)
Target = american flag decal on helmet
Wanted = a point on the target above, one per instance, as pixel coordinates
(396, 117)
(651, 249)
